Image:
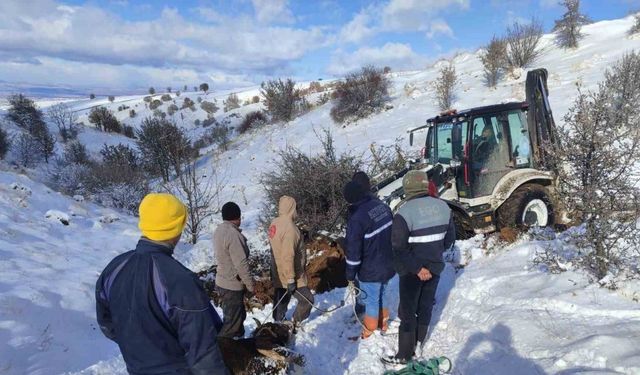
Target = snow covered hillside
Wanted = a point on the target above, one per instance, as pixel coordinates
(497, 315)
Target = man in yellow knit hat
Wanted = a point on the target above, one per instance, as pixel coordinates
(152, 306)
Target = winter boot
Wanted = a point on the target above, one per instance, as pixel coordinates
(383, 320)
(406, 346)
(421, 336)
(370, 324)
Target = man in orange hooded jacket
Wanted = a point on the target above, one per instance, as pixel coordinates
(288, 262)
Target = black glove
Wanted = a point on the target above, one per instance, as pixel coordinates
(291, 287)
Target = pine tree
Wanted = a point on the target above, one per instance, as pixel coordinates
(567, 28)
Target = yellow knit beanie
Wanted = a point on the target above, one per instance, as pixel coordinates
(162, 217)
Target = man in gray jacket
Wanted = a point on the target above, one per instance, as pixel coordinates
(233, 276)
(423, 228)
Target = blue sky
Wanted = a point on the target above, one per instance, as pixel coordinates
(127, 45)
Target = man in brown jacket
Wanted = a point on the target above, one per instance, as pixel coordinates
(288, 261)
(233, 276)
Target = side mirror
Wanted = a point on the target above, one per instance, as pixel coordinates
(410, 139)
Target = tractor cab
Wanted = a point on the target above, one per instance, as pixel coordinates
(490, 163)
(477, 147)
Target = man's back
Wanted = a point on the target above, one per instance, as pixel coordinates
(369, 240)
(231, 257)
(157, 313)
(423, 228)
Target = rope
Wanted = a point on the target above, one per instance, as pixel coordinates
(274, 308)
(353, 290)
(319, 309)
(428, 367)
(359, 291)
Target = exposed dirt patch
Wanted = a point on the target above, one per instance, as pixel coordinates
(509, 235)
(326, 266)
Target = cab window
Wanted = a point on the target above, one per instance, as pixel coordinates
(450, 140)
(520, 142)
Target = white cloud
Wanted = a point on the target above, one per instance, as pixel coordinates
(358, 29)
(401, 16)
(439, 26)
(398, 56)
(44, 29)
(411, 15)
(268, 11)
(209, 14)
(549, 3)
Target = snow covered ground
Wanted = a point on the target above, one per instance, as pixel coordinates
(497, 315)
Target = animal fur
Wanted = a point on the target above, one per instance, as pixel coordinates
(263, 353)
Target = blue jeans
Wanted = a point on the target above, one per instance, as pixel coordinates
(373, 297)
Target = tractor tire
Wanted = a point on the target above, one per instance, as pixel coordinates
(464, 231)
(528, 206)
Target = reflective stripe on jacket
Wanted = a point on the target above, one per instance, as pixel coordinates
(423, 228)
(368, 241)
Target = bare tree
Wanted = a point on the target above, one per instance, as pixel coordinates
(163, 146)
(523, 40)
(118, 180)
(636, 25)
(494, 60)
(597, 160)
(445, 86)
(65, 119)
(45, 141)
(251, 120)
(200, 192)
(232, 102)
(568, 27)
(282, 99)
(220, 136)
(25, 150)
(315, 182)
(75, 153)
(360, 94)
(209, 107)
(5, 143)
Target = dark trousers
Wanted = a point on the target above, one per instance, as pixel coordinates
(233, 312)
(416, 304)
(303, 309)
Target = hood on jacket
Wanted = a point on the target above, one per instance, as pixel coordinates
(287, 207)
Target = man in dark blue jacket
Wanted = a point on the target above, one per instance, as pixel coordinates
(368, 253)
(153, 307)
(423, 228)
